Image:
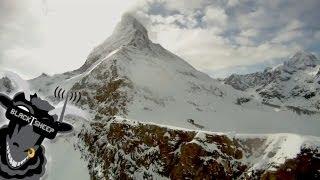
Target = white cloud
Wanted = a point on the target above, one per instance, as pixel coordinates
(284, 37)
(222, 36)
(232, 3)
(244, 41)
(317, 35)
(215, 17)
(206, 50)
(249, 33)
(176, 19)
(289, 32)
(52, 33)
(184, 7)
(293, 25)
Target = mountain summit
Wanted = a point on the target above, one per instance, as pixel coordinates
(130, 28)
(302, 60)
(128, 32)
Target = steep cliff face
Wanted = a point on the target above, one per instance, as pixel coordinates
(125, 149)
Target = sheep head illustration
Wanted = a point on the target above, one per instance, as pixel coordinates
(30, 123)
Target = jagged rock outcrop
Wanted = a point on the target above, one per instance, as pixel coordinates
(124, 149)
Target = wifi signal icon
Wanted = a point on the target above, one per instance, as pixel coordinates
(60, 93)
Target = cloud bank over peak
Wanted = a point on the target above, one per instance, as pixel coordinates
(221, 35)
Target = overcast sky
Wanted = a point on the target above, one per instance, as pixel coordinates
(218, 37)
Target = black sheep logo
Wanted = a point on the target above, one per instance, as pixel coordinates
(21, 152)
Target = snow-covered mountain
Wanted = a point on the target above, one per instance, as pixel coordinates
(152, 114)
(131, 76)
(294, 83)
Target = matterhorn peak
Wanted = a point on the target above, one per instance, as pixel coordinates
(129, 24)
(129, 32)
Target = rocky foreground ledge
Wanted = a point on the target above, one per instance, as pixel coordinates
(125, 149)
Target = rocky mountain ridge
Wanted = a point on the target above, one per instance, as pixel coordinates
(295, 82)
